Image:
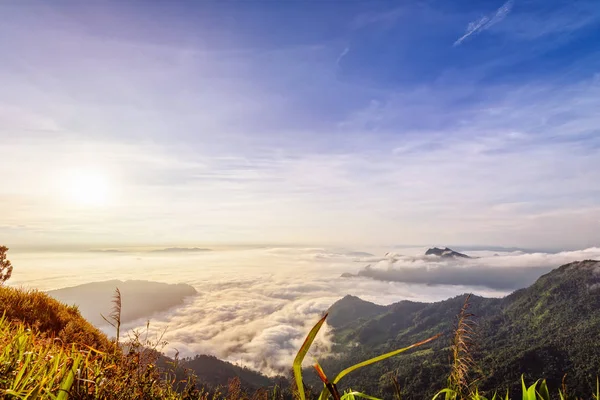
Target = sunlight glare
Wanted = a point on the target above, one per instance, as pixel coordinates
(88, 188)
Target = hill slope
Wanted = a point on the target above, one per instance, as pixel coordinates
(548, 329)
(48, 319)
(141, 299)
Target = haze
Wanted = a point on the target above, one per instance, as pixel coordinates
(254, 306)
(129, 123)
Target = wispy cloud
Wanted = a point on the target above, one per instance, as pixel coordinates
(274, 145)
(342, 55)
(486, 22)
(475, 159)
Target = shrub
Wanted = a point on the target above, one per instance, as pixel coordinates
(5, 265)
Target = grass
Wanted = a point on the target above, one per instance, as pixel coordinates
(49, 351)
(38, 311)
(35, 366)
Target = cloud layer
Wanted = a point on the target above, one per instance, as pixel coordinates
(504, 271)
(255, 306)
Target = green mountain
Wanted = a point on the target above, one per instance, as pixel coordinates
(546, 330)
(211, 371)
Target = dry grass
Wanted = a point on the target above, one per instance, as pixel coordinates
(48, 350)
(52, 319)
(461, 358)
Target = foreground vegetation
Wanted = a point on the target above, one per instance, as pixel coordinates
(54, 353)
(48, 350)
(545, 330)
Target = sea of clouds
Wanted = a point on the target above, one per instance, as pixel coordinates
(255, 306)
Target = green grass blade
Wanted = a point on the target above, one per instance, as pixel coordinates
(529, 393)
(297, 366)
(23, 369)
(448, 392)
(66, 384)
(15, 394)
(352, 395)
(324, 393)
(380, 358)
(543, 391)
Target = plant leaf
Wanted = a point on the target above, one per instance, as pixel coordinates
(297, 366)
(381, 357)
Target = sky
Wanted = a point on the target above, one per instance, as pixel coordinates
(300, 122)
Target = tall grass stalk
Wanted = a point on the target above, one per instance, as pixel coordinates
(114, 318)
(462, 359)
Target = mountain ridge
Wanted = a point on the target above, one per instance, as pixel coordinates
(546, 329)
(141, 298)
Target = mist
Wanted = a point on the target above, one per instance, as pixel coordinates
(495, 271)
(255, 306)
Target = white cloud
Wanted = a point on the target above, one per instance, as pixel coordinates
(507, 271)
(486, 22)
(255, 306)
(250, 303)
(198, 149)
(342, 55)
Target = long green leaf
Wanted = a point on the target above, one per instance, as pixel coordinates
(351, 395)
(297, 366)
(543, 391)
(531, 393)
(66, 384)
(381, 357)
(448, 392)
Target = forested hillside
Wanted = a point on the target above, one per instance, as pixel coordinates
(547, 330)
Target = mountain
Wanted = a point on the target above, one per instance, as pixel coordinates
(546, 330)
(30, 317)
(445, 253)
(140, 299)
(213, 372)
(351, 309)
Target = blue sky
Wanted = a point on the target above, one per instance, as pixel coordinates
(308, 122)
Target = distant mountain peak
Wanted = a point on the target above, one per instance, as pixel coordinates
(445, 252)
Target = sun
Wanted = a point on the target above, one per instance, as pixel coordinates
(87, 188)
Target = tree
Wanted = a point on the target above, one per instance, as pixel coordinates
(5, 265)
